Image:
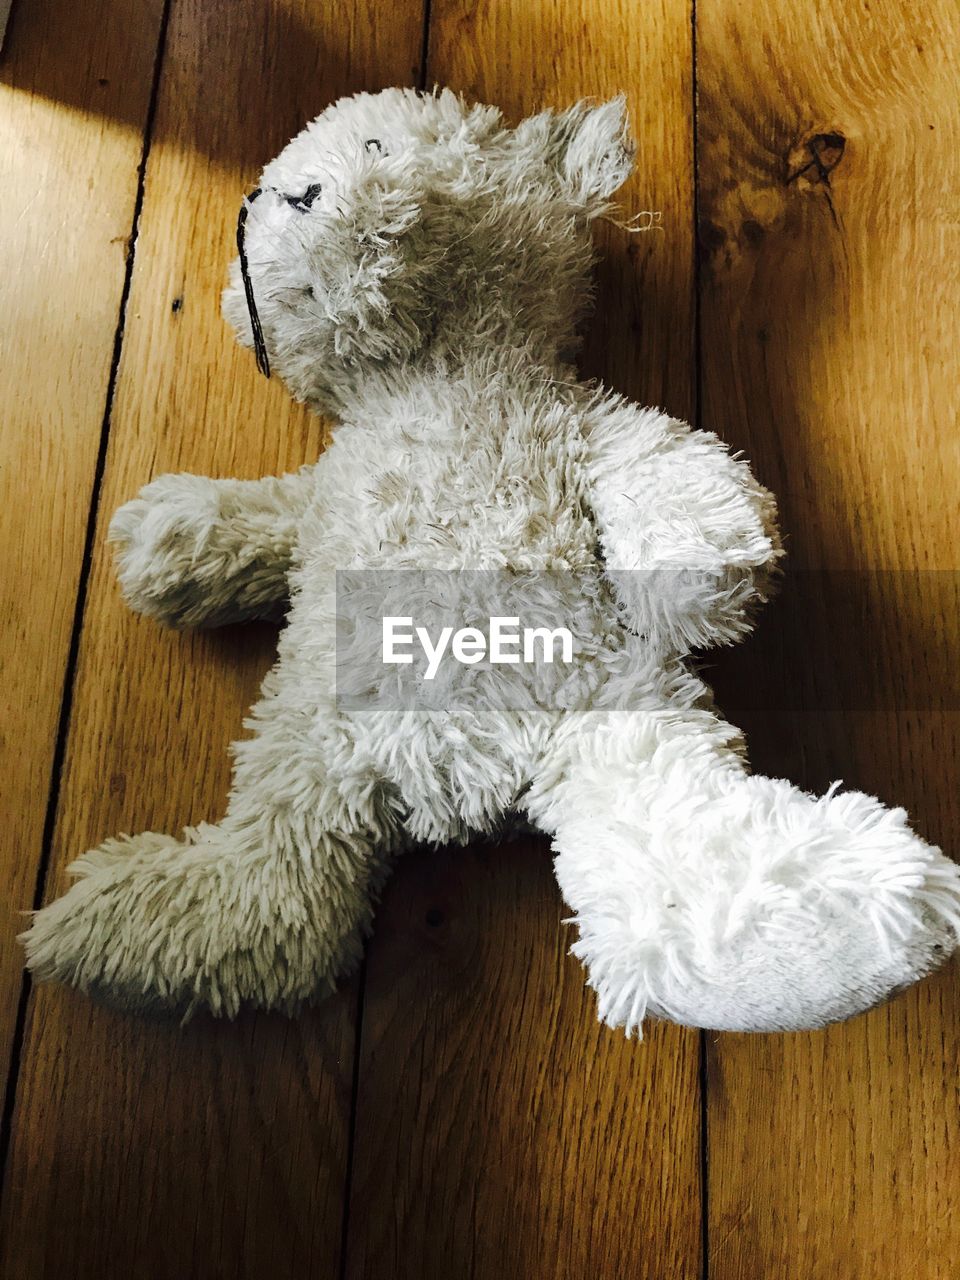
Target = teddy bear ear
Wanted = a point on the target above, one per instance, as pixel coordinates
(595, 150)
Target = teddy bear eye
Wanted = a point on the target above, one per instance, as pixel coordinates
(374, 142)
(303, 203)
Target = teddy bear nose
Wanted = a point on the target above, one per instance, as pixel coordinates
(303, 203)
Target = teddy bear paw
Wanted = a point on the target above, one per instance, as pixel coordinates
(758, 908)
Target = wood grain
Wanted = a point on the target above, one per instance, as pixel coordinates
(830, 303)
(143, 1148)
(500, 1131)
(68, 185)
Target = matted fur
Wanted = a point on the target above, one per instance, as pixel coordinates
(428, 295)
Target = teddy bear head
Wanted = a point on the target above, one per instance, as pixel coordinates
(402, 223)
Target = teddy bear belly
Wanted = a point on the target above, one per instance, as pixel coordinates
(461, 753)
(444, 493)
(453, 732)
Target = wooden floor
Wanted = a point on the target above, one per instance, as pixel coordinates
(457, 1112)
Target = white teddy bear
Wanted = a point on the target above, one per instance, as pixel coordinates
(416, 269)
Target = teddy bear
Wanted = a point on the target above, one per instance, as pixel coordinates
(417, 270)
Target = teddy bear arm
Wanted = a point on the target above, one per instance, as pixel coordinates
(688, 535)
(193, 552)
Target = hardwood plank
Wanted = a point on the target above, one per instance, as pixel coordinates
(5, 6)
(500, 1130)
(68, 186)
(830, 325)
(214, 1150)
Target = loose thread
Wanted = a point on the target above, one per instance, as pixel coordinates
(259, 346)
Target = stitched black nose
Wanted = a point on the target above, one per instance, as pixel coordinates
(303, 203)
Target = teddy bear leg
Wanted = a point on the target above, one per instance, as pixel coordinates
(717, 899)
(269, 907)
(222, 917)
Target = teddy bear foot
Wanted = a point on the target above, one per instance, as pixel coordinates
(754, 907)
(157, 925)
